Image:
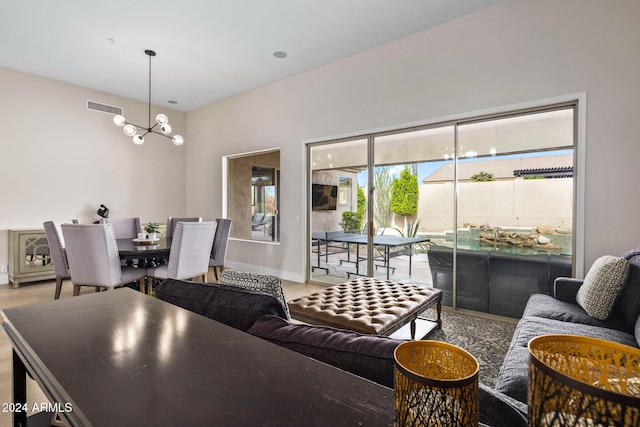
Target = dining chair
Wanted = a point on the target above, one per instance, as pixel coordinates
(125, 228)
(171, 223)
(92, 252)
(189, 254)
(57, 251)
(219, 248)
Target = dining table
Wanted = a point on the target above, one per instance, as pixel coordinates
(122, 358)
(147, 253)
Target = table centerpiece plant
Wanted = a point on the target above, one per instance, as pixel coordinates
(152, 230)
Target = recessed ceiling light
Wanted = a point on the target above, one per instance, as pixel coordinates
(173, 102)
(279, 54)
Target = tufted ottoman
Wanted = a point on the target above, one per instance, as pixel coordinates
(368, 305)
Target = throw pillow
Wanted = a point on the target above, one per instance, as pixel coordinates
(602, 286)
(266, 283)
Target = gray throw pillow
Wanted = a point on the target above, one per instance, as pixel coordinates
(602, 286)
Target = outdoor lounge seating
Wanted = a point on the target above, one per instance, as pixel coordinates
(473, 277)
(260, 219)
(493, 281)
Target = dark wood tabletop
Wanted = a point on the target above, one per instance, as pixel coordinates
(123, 358)
(128, 249)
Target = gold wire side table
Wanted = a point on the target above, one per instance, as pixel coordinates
(582, 381)
(435, 384)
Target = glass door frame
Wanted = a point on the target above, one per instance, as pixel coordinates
(575, 101)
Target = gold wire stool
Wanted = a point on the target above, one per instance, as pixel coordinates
(435, 384)
(581, 381)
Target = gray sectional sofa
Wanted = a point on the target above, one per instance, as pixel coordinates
(559, 313)
(371, 357)
(368, 356)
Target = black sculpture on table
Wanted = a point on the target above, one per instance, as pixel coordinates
(102, 212)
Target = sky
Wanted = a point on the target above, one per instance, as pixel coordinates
(427, 168)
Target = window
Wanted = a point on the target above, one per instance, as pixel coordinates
(253, 193)
(499, 186)
(345, 192)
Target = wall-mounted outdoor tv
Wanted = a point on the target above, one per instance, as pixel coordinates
(324, 197)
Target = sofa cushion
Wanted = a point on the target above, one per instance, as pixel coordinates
(602, 286)
(368, 356)
(540, 305)
(500, 410)
(513, 377)
(235, 307)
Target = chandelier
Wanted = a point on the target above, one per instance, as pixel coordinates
(160, 127)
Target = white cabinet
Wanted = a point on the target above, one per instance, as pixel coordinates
(29, 258)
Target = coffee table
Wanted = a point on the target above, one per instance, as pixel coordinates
(124, 358)
(370, 306)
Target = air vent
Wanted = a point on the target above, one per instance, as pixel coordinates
(96, 106)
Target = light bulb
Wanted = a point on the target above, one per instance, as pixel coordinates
(130, 130)
(166, 128)
(138, 140)
(161, 119)
(178, 140)
(119, 120)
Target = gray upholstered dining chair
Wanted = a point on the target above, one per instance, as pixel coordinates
(171, 223)
(92, 252)
(189, 254)
(125, 228)
(58, 252)
(219, 249)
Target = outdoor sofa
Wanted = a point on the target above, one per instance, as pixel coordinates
(495, 282)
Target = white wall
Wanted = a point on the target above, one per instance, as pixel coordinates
(60, 160)
(515, 52)
(509, 203)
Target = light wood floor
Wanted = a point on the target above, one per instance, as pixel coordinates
(31, 293)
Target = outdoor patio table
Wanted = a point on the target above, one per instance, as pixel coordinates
(387, 242)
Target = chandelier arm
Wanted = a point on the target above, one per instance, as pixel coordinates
(138, 126)
(161, 134)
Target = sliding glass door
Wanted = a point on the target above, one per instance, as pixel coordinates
(403, 216)
(514, 209)
(481, 208)
(337, 210)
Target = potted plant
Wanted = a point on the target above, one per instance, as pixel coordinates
(152, 230)
(351, 221)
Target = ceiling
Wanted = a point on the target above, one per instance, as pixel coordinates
(207, 50)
